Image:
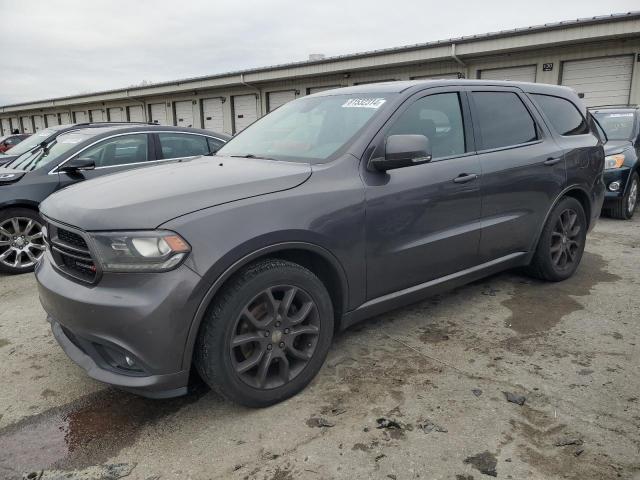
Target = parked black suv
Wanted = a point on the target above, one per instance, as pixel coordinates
(69, 154)
(333, 208)
(621, 126)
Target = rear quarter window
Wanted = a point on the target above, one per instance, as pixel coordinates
(564, 116)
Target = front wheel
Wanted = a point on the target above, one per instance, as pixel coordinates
(21, 240)
(267, 334)
(561, 243)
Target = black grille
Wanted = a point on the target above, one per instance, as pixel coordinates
(71, 254)
(72, 239)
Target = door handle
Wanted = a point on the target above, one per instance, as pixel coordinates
(552, 161)
(464, 178)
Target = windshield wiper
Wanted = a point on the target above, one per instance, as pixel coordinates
(251, 155)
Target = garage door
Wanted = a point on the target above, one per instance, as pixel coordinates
(184, 114)
(277, 99)
(443, 76)
(116, 114)
(158, 113)
(6, 126)
(602, 81)
(52, 119)
(96, 115)
(321, 89)
(213, 114)
(136, 113)
(80, 117)
(65, 118)
(245, 111)
(27, 125)
(516, 74)
(38, 122)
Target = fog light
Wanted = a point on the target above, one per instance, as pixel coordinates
(614, 186)
(130, 361)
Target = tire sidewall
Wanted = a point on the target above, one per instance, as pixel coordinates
(227, 379)
(629, 212)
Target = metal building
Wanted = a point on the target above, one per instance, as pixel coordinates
(599, 57)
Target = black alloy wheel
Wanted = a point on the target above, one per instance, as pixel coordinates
(275, 336)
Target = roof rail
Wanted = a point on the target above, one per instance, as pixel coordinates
(111, 123)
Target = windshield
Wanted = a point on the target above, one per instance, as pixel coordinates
(30, 142)
(306, 130)
(42, 156)
(617, 124)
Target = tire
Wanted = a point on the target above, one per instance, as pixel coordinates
(21, 240)
(624, 207)
(561, 243)
(283, 300)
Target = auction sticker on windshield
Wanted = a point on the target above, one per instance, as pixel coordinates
(363, 103)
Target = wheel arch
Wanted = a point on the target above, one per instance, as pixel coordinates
(574, 191)
(313, 257)
(20, 203)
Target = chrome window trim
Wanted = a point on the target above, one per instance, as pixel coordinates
(55, 170)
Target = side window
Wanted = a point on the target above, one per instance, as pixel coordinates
(214, 144)
(563, 115)
(177, 145)
(502, 119)
(119, 151)
(439, 118)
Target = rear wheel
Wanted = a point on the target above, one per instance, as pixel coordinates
(267, 334)
(624, 207)
(21, 240)
(561, 243)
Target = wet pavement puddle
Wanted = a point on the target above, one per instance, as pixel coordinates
(538, 306)
(83, 433)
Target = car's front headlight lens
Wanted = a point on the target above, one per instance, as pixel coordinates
(614, 161)
(144, 251)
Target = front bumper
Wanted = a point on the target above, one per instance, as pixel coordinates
(145, 317)
(616, 175)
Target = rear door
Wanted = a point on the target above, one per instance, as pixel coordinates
(111, 155)
(523, 170)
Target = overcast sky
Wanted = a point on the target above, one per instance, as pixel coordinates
(65, 47)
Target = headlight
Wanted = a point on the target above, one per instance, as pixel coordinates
(144, 251)
(614, 161)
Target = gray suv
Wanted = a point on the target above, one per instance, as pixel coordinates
(333, 208)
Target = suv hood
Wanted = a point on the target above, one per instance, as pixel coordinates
(616, 146)
(148, 197)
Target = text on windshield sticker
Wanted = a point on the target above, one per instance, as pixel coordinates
(363, 103)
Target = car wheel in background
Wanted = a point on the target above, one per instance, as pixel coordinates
(266, 335)
(561, 243)
(625, 206)
(21, 240)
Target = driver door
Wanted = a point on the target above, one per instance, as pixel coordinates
(423, 221)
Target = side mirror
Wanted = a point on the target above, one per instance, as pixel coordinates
(78, 164)
(403, 151)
